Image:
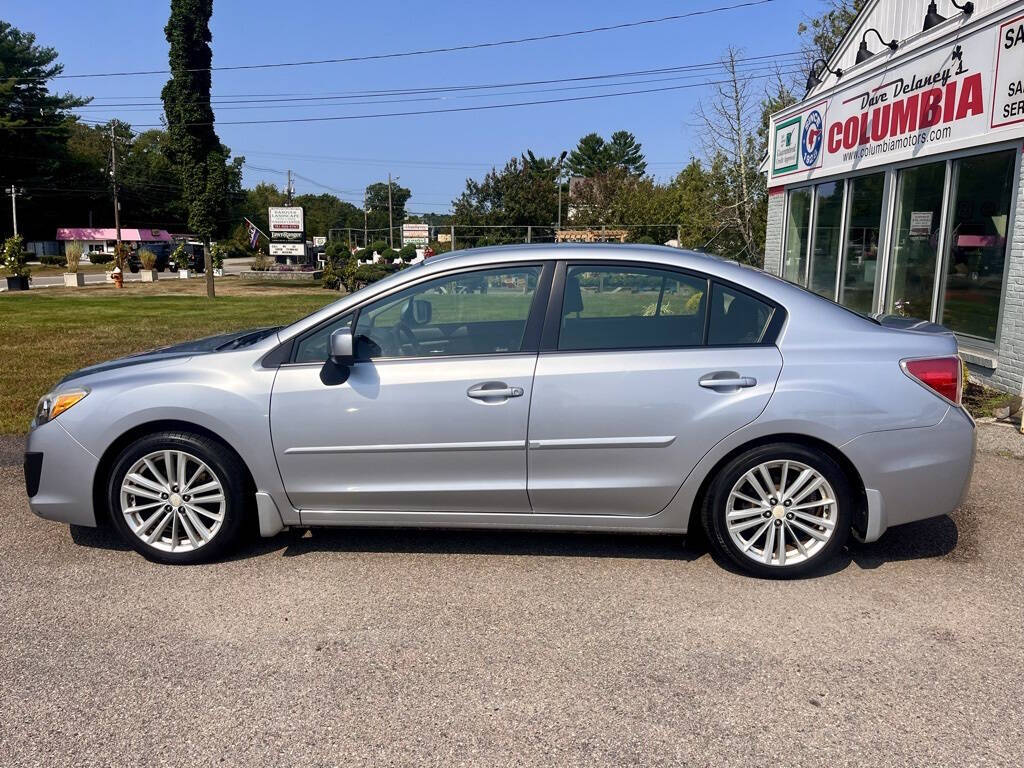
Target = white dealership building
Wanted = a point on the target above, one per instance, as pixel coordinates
(895, 184)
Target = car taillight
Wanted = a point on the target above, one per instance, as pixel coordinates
(941, 374)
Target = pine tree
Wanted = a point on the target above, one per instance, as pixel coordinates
(590, 158)
(625, 152)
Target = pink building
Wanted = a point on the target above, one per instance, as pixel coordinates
(103, 239)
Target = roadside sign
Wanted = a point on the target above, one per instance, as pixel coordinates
(286, 219)
(287, 249)
(415, 234)
(318, 241)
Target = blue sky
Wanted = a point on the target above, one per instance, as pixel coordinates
(431, 154)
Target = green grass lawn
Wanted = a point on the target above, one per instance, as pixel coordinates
(47, 333)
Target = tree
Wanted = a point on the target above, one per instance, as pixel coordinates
(377, 205)
(590, 158)
(821, 34)
(730, 120)
(522, 193)
(194, 143)
(625, 152)
(34, 122)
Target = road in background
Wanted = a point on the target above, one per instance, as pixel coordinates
(426, 647)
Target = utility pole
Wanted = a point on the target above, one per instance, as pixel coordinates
(558, 180)
(391, 225)
(14, 192)
(290, 189)
(366, 242)
(113, 177)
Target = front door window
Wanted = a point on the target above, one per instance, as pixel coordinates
(827, 224)
(798, 225)
(863, 230)
(916, 240)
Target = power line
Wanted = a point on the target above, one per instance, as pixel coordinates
(478, 108)
(431, 51)
(748, 71)
(772, 58)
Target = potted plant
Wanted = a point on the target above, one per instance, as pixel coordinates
(217, 259)
(73, 257)
(14, 264)
(148, 272)
(180, 257)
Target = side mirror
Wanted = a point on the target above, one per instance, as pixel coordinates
(418, 312)
(342, 347)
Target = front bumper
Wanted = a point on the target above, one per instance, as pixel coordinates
(914, 474)
(61, 473)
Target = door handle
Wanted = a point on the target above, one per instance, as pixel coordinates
(734, 380)
(495, 390)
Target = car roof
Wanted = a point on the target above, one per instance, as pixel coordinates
(752, 278)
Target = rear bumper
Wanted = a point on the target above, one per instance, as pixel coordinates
(60, 472)
(914, 474)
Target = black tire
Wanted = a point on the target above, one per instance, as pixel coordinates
(224, 464)
(716, 507)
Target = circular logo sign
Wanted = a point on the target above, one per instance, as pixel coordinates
(811, 145)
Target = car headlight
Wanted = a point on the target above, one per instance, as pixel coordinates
(53, 405)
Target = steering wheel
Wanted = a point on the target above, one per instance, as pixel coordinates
(405, 335)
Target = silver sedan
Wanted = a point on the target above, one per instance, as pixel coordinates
(604, 388)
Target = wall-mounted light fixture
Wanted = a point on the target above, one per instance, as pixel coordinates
(863, 54)
(814, 79)
(933, 17)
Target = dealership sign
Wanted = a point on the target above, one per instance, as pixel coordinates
(962, 93)
(286, 219)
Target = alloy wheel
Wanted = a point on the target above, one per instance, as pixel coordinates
(781, 513)
(172, 501)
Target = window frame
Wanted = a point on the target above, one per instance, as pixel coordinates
(553, 316)
(285, 354)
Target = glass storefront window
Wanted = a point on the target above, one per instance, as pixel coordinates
(794, 266)
(916, 240)
(980, 211)
(827, 230)
(863, 229)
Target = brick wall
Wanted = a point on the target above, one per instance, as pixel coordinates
(773, 233)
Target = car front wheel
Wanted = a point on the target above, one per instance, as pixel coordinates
(177, 497)
(779, 510)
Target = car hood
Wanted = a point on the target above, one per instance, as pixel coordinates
(222, 342)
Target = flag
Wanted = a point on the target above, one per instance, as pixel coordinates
(254, 235)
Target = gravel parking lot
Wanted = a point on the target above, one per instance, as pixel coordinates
(386, 647)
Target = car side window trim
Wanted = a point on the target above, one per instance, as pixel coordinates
(552, 322)
(530, 336)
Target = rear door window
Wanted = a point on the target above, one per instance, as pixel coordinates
(618, 307)
(737, 318)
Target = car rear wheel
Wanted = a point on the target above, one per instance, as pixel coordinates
(178, 497)
(779, 510)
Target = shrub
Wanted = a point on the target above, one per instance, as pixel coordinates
(180, 257)
(73, 256)
(51, 261)
(14, 257)
(643, 240)
(121, 256)
(147, 258)
(261, 263)
(378, 245)
(363, 254)
(369, 273)
(330, 279)
(101, 257)
(408, 253)
(388, 255)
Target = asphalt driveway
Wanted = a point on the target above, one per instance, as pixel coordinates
(386, 647)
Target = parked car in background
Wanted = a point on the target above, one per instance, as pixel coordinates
(601, 388)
